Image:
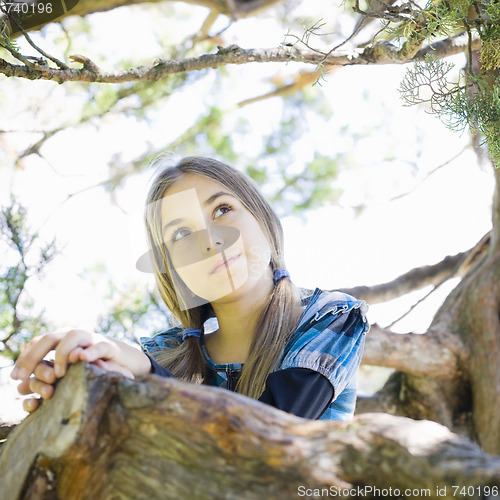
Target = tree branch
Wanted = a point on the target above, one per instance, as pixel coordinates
(38, 49)
(385, 400)
(194, 441)
(451, 266)
(417, 354)
(379, 53)
(378, 403)
(300, 80)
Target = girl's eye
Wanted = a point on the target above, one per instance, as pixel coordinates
(180, 233)
(221, 210)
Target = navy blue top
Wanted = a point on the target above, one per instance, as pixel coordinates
(299, 391)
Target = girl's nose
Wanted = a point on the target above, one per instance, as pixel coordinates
(213, 240)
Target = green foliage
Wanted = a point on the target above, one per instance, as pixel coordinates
(475, 104)
(489, 22)
(133, 311)
(290, 187)
(316, 183)
(478, 106)
(490, 54)
(489, 30)
(216, 137)
(207, 134)
(258, 174)
(411, 22)
(427, 82)
(5, 40)
(18, 320)
(444, 18)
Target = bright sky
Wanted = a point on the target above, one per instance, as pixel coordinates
(329, 247)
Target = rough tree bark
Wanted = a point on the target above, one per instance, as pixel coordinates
(104, 436)
(386, 53)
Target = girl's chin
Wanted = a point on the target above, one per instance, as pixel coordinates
(220, 284)
(220, 294)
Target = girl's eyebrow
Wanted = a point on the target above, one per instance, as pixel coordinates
(212, 198)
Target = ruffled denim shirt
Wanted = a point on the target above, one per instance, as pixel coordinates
(329, 339)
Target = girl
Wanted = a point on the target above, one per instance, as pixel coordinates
(216, 249)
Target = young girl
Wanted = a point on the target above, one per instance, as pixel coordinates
(216, 248)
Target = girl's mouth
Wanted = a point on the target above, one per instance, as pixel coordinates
(226, 262)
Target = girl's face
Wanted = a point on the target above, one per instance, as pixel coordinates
(215, 244)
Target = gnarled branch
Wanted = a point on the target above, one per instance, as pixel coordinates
(415, 279)
(418, 354)
(225, 56)
(103, 436)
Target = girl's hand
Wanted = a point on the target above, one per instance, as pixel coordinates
(70, 347)
(41, 383)
(43, 380)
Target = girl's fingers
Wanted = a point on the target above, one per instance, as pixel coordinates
(45, 390)
(112, 366)
(71, 341)
(31, 404)
(24, 387)
(63, 343)
(44, 372)
(39, 376)
(74, 355)
(70, 347)
(101, 350)
(33, 354)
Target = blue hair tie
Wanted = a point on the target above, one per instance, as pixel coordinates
(191, 332)
(280, 273)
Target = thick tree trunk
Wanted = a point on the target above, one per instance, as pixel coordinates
(103, 436)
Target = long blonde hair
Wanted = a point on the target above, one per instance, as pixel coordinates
(281, 312)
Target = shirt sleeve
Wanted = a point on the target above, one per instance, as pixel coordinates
(331, 346)
(299, 391)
